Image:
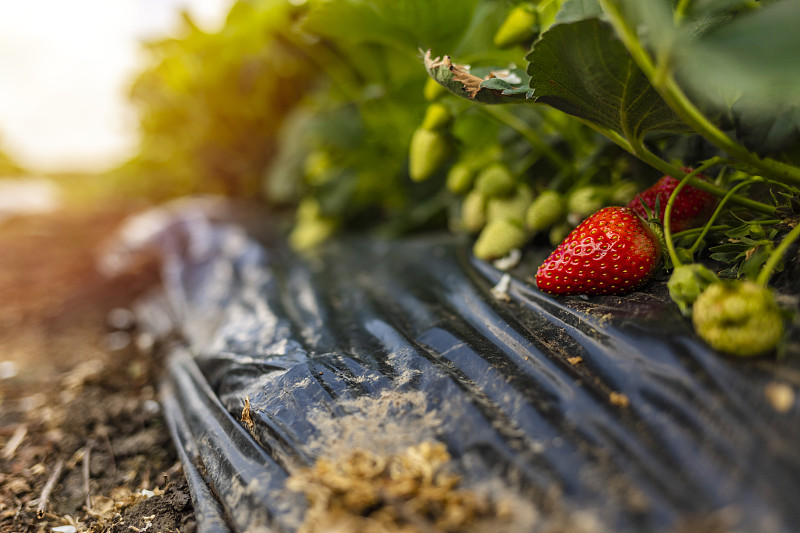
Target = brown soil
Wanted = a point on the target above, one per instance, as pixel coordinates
(78, 401)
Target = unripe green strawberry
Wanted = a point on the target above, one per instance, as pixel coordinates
(433, 90)
(437, 117)
(584, 201)
(624, 193)
(429, 150)
(687, 283)
(559, 232)
(311, 227)
(318, 167)
(511, 207)
(738, 318)
(518, 28)
(307, 234)
(460, 177)
(498, 238)
(495, 180)
(473, 212)
(546, 210)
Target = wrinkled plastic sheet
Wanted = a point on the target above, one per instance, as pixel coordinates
(383, 344)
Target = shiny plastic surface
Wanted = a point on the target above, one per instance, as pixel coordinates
(608, 408)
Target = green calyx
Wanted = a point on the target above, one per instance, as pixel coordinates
(738, 318)
(687, 283)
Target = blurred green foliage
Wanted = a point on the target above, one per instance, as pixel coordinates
(318, 101)
(211, 104)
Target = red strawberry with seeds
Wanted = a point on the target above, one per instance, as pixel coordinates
(612, 252)
(692, 206)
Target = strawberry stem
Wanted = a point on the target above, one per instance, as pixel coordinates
(668, 211)
(659, 164)
(776, 256)
(718, 211)
(520, 126)
(720, 227)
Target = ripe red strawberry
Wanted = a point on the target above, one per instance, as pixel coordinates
(611, 252)
(692, 207)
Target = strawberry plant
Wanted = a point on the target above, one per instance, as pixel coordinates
(648, 79)
(521, 119)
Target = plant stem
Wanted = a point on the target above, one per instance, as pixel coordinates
(675, 98)
(680, 11)
(720, 227)
(776, 256)
(688, 232)
(717, 212)
(659, 164)
(512, 121)
(668, 210)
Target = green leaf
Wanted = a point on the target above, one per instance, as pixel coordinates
(752, 60)
(409, 24)
(582, 69)
(508, 89)
(574, 10)
(486, 85)
(756, 258)
(729, 248)
(739, 231)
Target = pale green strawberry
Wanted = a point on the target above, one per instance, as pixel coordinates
(519, 27)
(686, 284)
(559, 232)
(512, 207)
(546, 210)
(495, 180)
(473, 212)
(433, 90)
(437, 117)
(311, 228)
(584, 201)
(498, 238)
(428, 152)
(739, 318)
(623, 192)
(460, 177)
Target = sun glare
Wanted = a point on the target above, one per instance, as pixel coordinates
(65, 68)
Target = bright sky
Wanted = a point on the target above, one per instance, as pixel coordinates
(65, 67)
